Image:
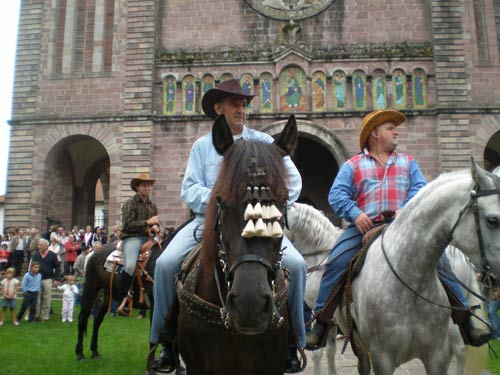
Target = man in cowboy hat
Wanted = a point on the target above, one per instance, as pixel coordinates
(139, 214)
(369, 187)
(227, 99)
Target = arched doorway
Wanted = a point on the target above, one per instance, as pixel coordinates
(318, 169)
(71, 171)
(492, 152)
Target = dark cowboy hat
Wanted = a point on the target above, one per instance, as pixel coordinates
(377, 118)
(140, 178)
(226, 88)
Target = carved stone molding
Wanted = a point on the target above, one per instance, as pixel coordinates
(275, 52)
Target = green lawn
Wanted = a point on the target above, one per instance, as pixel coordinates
(494, 362)
(48, 348)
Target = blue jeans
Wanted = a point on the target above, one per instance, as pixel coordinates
(447, 276)
(494, 319)
(348, 244)
(131, 249)
(169, 264)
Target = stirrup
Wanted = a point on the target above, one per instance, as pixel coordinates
(126, 301)
(324, 336)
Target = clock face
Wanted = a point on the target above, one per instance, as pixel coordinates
(289, 9)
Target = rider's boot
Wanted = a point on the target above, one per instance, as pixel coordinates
(292, 363)
(125, 283)
(317, 336)
(475, 336)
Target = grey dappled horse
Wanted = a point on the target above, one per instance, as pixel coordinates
(395, 322)
(315, 236)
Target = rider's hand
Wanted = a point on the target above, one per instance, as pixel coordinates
(363, 223)
(155, 229)
(155, 220)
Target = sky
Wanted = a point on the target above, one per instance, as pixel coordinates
(9, 16)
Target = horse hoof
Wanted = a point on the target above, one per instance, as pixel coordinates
(80, 358)
(95, 356)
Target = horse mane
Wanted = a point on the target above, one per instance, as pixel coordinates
(239, 161)
(310, 229)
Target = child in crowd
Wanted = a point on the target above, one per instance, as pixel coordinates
(69, 292)
(31, 285)
(10, 285)
(4, 258)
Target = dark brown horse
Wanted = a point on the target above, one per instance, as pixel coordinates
(232, 317)
(98, 279)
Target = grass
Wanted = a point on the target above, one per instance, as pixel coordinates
(494, 362)
(48, 348)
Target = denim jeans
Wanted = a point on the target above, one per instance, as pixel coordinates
(494, 319)
(169, 264)
(131, 249)
(348, 244)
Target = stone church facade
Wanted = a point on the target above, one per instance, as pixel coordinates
(106, 89)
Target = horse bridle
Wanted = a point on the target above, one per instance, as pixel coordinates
(475, 194)
(228, 270)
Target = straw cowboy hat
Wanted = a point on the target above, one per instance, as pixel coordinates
(226, 88)
(140, 178)
(377, 118)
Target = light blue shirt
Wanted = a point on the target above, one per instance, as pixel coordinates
(203, 167)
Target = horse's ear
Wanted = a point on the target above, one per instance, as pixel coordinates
(479, 176)
(287, 139)
(221, 135)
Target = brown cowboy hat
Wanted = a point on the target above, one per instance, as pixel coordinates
(226, 88)
(140, 178)
(377, 118)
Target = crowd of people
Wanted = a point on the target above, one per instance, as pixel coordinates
(35, 262)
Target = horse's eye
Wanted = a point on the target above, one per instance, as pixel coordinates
(493, 221)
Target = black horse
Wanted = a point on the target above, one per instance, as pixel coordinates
(232, 300)
(98, 279)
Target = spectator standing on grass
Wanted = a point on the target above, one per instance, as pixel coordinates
(10, 285)
(72, 248)
(17, 250)
(4, 258)
(69, 292)
(31, 285)
(49, 268)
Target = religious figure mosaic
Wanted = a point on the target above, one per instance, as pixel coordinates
(246, 82)
(379, 94)
(169, 90)
(339, 91)
(266, 92)
(188, 95)
(293, 90)
(359, 90)
(419, 89)
(319, 92)
(399, 89)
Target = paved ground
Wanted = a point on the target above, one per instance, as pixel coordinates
(346, 364)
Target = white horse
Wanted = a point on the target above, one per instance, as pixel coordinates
(315, 236)
(394, 320)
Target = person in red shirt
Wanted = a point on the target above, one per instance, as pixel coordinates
(72, 247)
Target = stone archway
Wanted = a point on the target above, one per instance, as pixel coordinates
(492, 152)
(71, 170)
(318, 156)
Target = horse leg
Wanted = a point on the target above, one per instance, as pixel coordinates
(101, 313)
(437, 361)
(88, 300)
(364, 366)
(317, 355)
(331, 351)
